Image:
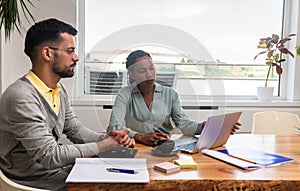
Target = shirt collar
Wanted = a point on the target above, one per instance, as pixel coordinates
(39, 84)
(157, 88)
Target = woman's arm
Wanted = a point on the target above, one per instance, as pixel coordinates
(182, 121)
(117, 117)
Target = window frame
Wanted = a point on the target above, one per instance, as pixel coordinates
(287, 84)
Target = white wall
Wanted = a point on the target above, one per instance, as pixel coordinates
(13, 60)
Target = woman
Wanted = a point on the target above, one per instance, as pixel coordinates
(147, 107)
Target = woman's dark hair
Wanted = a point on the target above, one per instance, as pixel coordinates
(131, 59)
(45, 31)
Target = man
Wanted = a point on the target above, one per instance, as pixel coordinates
(35, 111)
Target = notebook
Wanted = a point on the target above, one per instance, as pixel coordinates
(94, 170)
(215, 133)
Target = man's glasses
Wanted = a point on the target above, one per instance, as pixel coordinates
(70, 51)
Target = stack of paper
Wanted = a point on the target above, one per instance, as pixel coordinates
(95, 170)
(166, 167)
(185, 163)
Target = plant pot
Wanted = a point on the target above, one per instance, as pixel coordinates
(265, 93)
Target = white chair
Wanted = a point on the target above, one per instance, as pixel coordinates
(8, 185)
(275, 122)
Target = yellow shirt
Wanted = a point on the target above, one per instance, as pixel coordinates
(50, 95)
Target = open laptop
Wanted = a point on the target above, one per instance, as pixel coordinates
(215, 133)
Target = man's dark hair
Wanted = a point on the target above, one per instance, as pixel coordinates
(46, 31)
(130, 60)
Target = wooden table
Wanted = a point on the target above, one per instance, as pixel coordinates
(212, 174)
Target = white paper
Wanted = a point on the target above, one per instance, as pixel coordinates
(94, 170)
(231, 160)
(182, 140)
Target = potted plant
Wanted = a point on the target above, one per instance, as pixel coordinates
(273, 47)
(10, 15)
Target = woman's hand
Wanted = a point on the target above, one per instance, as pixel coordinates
(235, 128)
(151, 138)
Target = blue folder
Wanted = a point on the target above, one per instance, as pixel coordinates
(256, 156)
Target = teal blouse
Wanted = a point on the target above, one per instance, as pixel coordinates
(131, 111)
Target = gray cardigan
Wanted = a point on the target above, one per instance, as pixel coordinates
(29, 130)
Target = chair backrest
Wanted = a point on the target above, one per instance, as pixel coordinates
(8, 185)
(274, 122)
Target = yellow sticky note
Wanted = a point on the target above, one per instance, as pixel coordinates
(186, 163)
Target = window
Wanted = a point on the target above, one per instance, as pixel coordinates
(210, 45)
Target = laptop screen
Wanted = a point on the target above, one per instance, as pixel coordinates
(217, 130)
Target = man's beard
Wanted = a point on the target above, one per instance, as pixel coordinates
(65, 72)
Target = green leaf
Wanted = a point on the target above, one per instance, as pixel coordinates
(10, 15)
(276, 57)
(298, 50)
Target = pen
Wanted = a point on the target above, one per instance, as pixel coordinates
(160, 130)
(119, 170)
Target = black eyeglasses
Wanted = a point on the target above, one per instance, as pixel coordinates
(70, 51)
